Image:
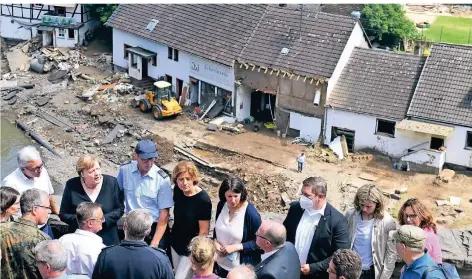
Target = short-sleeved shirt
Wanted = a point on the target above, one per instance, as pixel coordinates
(187, 212)
(151, 191)
(17, 241)
(21, 183)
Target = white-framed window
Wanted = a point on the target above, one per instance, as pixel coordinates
(61, 33)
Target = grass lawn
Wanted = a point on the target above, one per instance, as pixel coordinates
(454, 30)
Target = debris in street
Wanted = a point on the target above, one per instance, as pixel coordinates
(402, 190)
(57, 76)
(442, 202)
(17, 60)
(42, 101)
(84, 76)
(212, 126)
(335, 145)
(455, 201)
(368, 177)
(113, 134)
(285, 199)
(88, 94)
(10, 95)
(12, 100)
(446, 175)
(395, 196)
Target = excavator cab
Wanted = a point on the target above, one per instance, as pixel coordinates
(161, 101)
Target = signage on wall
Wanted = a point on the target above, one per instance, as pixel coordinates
(219, 75)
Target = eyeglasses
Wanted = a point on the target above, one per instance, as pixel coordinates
(101, 220)
(258, 235)
(410, 216)
(46, 207)
(36, 169)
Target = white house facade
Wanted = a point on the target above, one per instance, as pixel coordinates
(143, 58)
(62, 25)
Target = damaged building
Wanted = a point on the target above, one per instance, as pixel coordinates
(289, 66)
(62, 25)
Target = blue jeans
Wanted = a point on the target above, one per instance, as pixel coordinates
(300, 166)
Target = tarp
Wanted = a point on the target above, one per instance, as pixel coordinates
(425, 128)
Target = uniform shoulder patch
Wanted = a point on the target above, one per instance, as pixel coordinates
(162, 173)
(158, 249)
(126, 163)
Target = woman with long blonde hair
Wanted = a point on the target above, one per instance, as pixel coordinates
(369, 227)
(413, 212)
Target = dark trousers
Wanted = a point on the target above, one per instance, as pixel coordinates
(368, 273)
(164, 244)
(221, 272)
(47, 230)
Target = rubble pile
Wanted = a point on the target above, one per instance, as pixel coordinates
(440, 8)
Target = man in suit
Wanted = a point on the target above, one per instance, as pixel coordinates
(316, 229)
(280, 259)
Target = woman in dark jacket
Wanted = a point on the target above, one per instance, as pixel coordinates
(237, 222)
(92, 186)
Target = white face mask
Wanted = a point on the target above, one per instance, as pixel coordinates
(306, 203)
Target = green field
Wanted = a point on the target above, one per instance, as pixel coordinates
(455, 30)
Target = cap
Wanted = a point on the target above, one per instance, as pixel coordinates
(146, 149)
(411, 236)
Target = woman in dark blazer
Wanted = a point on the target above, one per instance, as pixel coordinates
(236, 219)
(92, 186)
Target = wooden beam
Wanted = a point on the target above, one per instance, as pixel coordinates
(75, 9)
(311, 81)
(266, 70)
(304, 80)
(278, 71)
(241, 65)
(298, 77)
(271, 72)
(253, 67)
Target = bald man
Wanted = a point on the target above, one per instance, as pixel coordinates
(242, 272)
(280, 259)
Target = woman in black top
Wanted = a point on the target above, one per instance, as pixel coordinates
(192, 215)
(92, 186)
(9, 203)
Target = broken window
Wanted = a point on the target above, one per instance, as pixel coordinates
(71, 33)
(154, 60)
(60, 11)
(169, 53)
(436, 143)
(385, 127)
(125, 55)
(176, 54)
(61, 33)
(468, 140)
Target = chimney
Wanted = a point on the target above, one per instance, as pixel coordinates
(356, 14)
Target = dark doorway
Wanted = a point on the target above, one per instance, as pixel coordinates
(145, 67)
(436, 143)
(169, 79)
(179, 87)
(349, 134)
(263, 106)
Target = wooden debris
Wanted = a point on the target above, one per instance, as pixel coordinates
(112, 135)
(368, 177)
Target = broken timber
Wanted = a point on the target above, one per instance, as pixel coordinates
(192, 156)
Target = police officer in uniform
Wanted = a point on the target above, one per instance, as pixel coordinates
(147, 186)
(133, 258)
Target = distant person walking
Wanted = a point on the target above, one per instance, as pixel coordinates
(301, 161)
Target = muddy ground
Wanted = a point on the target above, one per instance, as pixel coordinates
(73, 127)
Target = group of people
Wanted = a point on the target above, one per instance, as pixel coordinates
(315, 241)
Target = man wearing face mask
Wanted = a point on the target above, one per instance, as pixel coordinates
(316, 229)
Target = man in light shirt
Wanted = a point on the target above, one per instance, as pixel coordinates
(280, 259)
(316, 229)
(301, 161)
(30, 174)
(84, 245)
(242, 272)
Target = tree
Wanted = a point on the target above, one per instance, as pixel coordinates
(388, 23)
(101, 11)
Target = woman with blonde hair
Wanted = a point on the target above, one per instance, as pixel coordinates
(413, 212)
(203, 256)
(93, 186)
(369, 228)
(192, 215)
